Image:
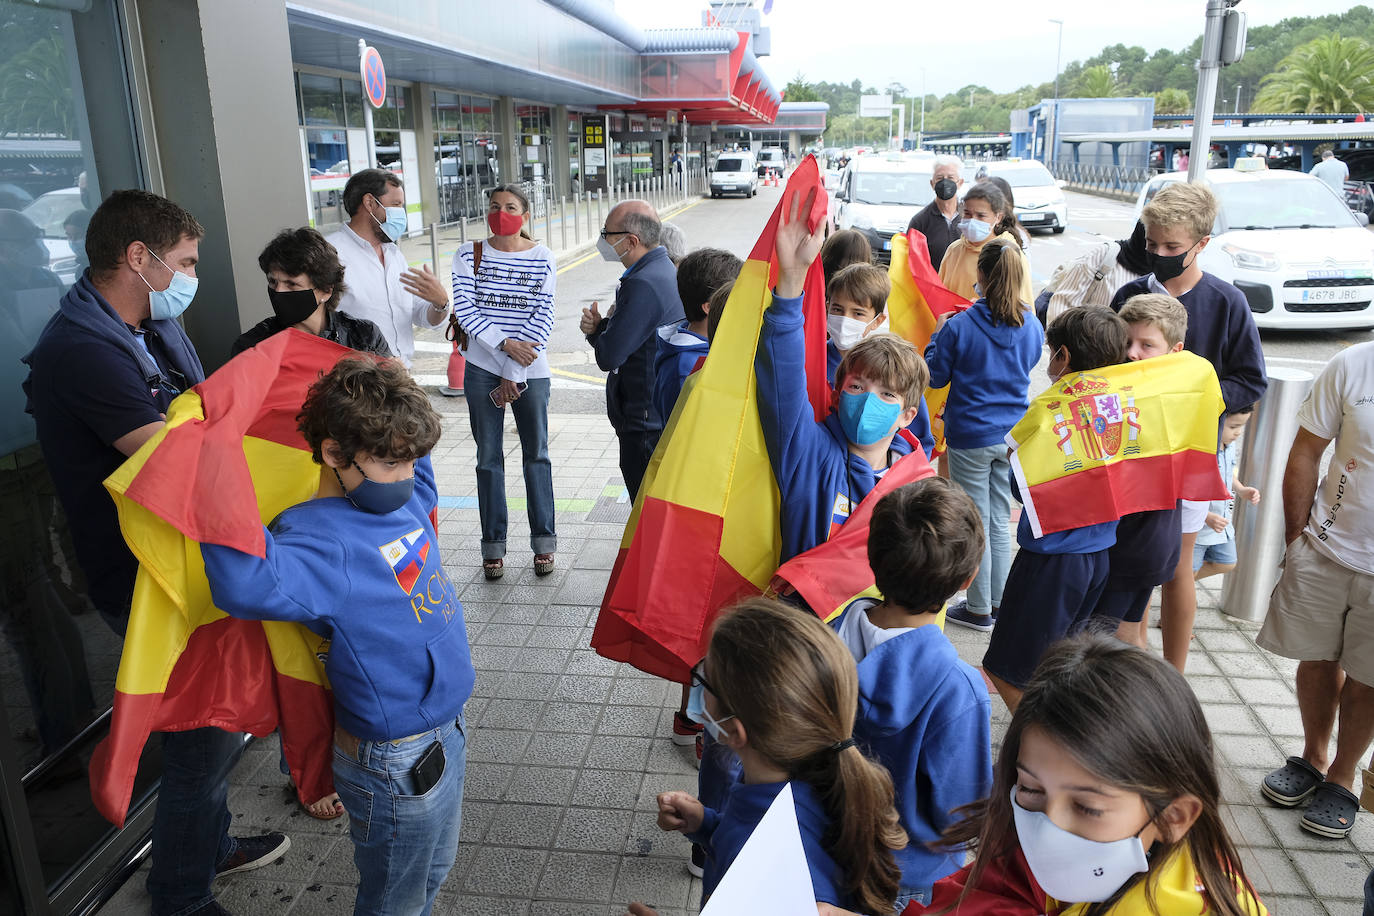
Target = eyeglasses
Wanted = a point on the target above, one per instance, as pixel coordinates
(697, 678)
(606, 233)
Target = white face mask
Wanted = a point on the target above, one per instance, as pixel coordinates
(1069, 867)
(845, 331)
(607, 250)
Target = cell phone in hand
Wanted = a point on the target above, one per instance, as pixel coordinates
(495, 393)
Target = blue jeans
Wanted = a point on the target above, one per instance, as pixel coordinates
(532, 423)
(985, 475)
(403, 844)
(921, 895)
(191, 823)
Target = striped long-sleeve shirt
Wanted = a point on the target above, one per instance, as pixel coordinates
(511, 298)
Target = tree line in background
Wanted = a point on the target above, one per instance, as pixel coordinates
(1310, 64)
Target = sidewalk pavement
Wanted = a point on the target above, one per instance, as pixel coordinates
(566, 750)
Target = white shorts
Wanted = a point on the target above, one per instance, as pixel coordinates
(1321, 611)
(1194, 515)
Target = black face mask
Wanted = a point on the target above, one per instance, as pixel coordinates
(292, 306)
(1166, 267)
(945, 188)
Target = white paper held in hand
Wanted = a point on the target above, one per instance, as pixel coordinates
(769, 877)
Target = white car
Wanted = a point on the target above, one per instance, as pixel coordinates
(1040, 201)
(48, 212)
(1286, 241)
(735, 174)
(878, 196)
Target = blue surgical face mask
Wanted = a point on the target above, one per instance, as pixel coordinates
(396, 223)
(378, 498)
(172, 301)
(696, 711)
(866, 418)
(975, 230)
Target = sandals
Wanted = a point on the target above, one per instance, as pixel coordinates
(543, 564)
(1291, 784)
(332, 810)
(493, 569)
(1331, 812)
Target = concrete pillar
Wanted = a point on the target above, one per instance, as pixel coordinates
(562, 173)
(508, 155)
(225, 135)
(423, 95)
(794, 143)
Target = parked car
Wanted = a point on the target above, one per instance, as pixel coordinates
(878, 196)
(774, 158)
(1040, 200)
(1289, 243)
(1359, 186)
(735, 173)
(48, 212)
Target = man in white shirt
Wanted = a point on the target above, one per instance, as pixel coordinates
(1332, 171)
(381, 287)
(1322, 612)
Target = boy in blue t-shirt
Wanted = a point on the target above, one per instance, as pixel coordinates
(360, 563)
(1055, 580)
(823, 469)
(1215, 551)
(681, 346)
(923, 713)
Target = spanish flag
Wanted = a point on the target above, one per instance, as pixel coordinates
(1130, 438)
(704, 531)
(915, 305)
(228, 461)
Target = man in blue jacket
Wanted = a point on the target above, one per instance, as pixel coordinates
(624, 341)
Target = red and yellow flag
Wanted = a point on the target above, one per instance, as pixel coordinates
(227, 462)
(704, 531)
(1130, 438)
(915, 305)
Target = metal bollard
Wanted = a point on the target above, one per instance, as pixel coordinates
(548, 215)
(462, 229)
(599, 220)
(433, 250)
(563, 220)
(1259, 529)
(577, 218)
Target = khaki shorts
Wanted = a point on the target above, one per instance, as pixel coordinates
(1321, 611)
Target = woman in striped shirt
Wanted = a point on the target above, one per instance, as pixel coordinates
(503, 303)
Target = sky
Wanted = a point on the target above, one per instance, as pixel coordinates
(1000, 44)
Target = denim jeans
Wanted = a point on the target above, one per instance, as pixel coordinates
(191, 823)
(921, 895)
(985, 475)
(532, 423)
(403, 844)
(636, 448)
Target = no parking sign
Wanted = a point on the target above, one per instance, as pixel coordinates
(374, 77)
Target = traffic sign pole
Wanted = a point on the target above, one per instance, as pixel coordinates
(367, 107)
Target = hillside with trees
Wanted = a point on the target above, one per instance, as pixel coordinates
(1301, 64)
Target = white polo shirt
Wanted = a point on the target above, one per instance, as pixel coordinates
(1341, 407)
(376, 294)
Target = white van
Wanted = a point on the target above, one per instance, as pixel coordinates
(735, 174)
(772, 157)
(878, 196)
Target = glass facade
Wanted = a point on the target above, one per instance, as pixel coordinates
(466, 154)
(58, 658)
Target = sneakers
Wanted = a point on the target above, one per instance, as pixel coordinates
(697, 865)
(958, 613)
(254, 852)
(685, 731)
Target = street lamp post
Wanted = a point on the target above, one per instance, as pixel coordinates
(1237, 108)
(921, 136)
(1051, 150)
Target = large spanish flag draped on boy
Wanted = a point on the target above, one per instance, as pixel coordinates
(1101, 444)
(228, 461)
(914, 307)
(704, 531)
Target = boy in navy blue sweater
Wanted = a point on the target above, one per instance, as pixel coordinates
(1055, 581)
(681, 346)
(923, 713)
(360, 563)
(1178, 225)
(823, 469)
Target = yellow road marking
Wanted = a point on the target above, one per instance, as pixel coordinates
(581, 260)
(580, 378)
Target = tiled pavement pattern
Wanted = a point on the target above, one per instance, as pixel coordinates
(567, 750)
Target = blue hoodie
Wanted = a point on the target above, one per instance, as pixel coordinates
(724, 832)
(819, 479)
(925, 715)
(676, 357)
(987, 367)
(920, 427)
(399, 662)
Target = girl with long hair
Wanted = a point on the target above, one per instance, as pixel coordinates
(986, 216)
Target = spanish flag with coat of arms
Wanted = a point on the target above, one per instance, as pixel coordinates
(228, 461)
(1107, 442)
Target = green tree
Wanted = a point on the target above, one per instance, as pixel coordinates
(35, 91)
(1327, 74)
(1096, 82)
(799, 90)
(1172, 101)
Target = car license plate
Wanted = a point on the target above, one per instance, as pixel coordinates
(1340, 294)
(887, 244)
(1339, 275)
(1032, 217)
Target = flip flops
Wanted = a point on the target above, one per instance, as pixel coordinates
(1331, 812)
(1291, 784)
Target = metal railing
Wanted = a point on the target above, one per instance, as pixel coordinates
(1125, 180)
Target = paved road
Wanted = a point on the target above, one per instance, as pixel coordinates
(734, 224)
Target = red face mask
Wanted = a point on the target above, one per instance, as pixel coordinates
(502, 223)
